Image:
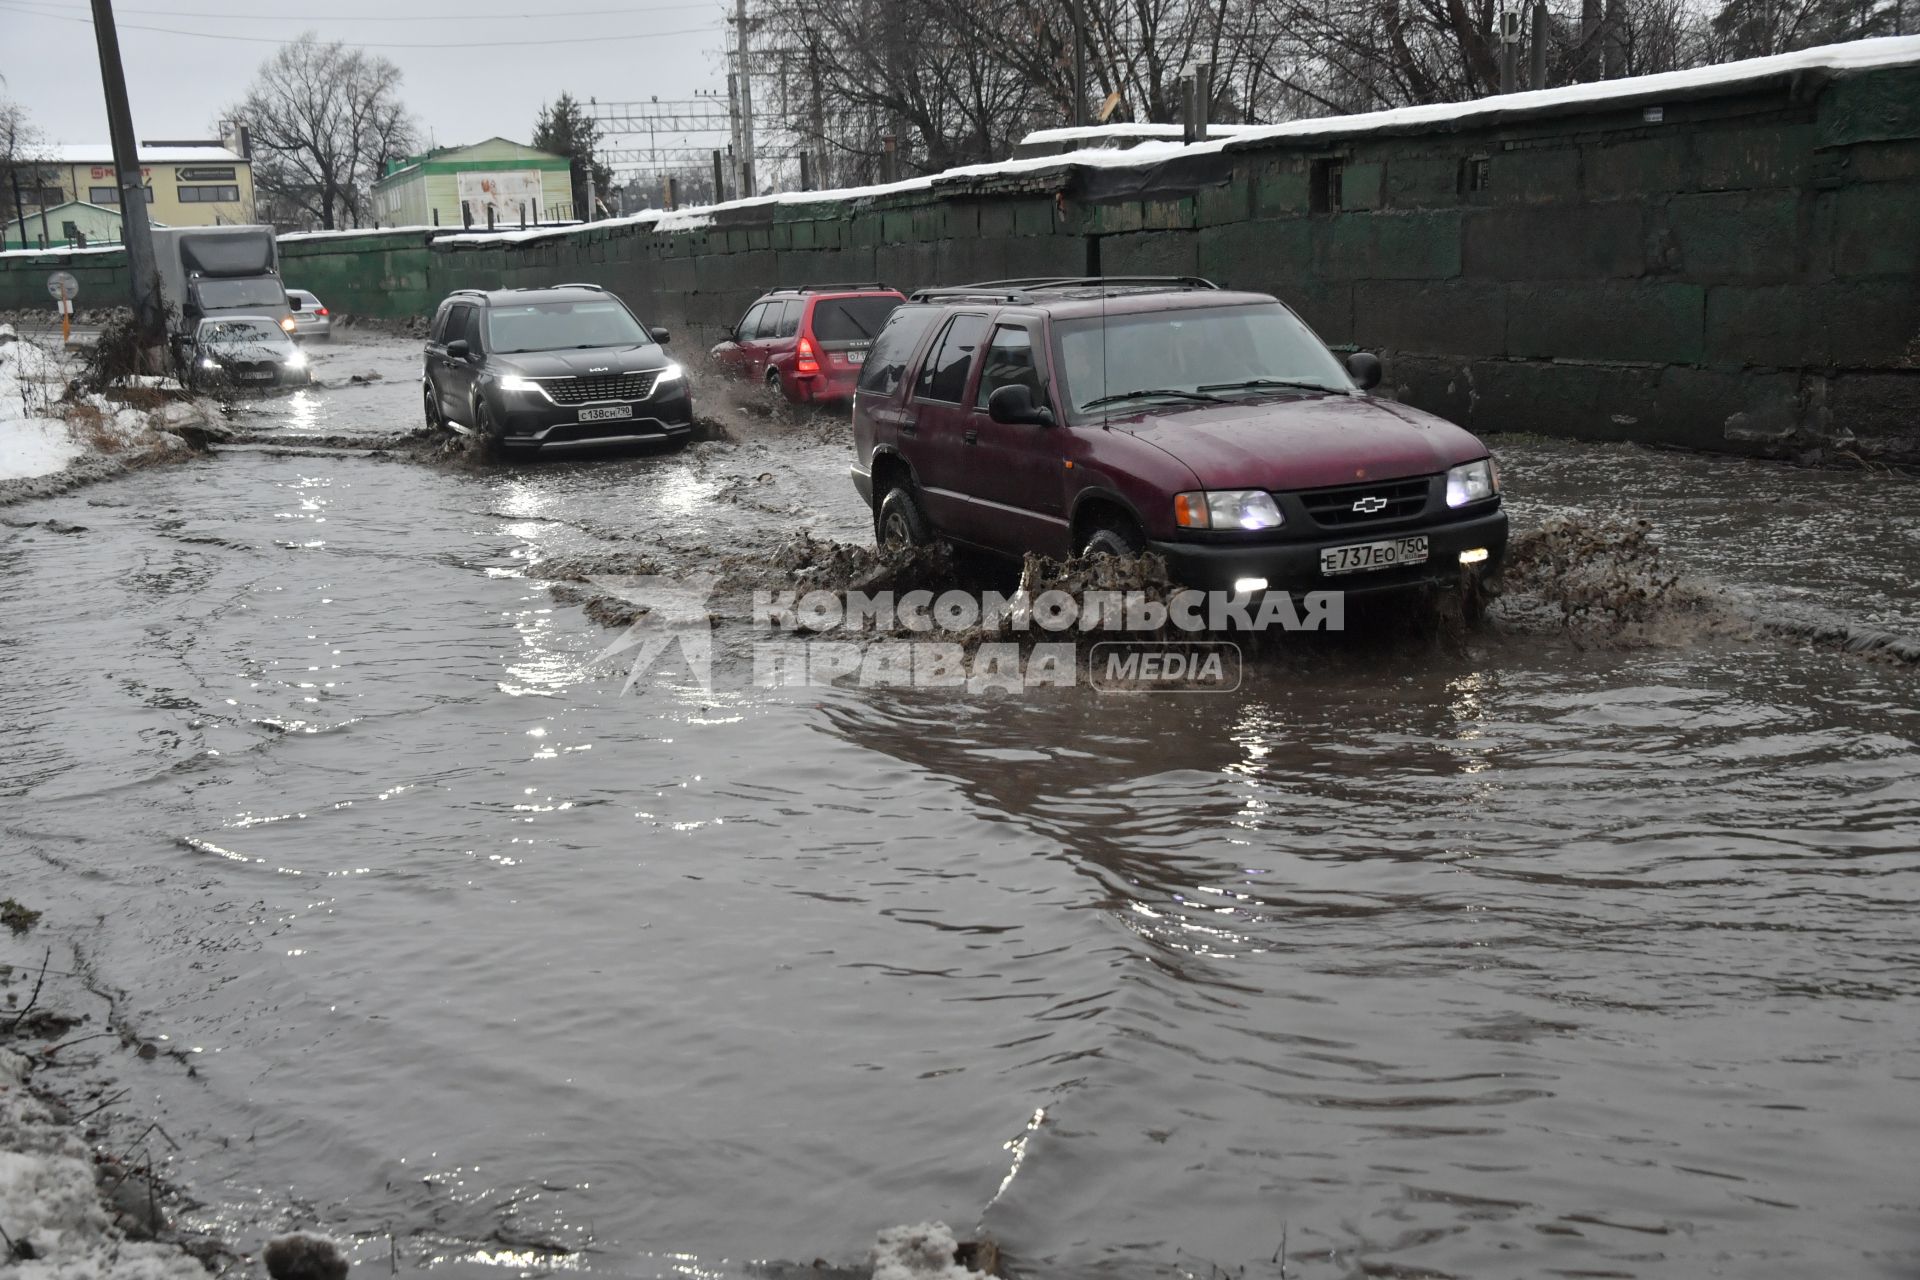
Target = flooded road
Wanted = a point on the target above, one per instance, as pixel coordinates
(1556, 953)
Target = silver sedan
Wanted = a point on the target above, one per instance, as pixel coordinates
(311, 320)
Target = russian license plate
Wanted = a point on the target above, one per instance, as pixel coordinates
(1374, 555)
(603, 415)
(248, 375)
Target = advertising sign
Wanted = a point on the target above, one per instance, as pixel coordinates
(510, 192)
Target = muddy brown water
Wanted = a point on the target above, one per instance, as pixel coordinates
(1552, 954)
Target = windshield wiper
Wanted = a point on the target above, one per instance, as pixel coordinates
(1174, 392)
(1253, 384)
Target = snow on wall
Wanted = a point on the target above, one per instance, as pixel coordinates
(1886, 51)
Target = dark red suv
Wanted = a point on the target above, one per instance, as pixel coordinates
(1068, 416)
(808, 342)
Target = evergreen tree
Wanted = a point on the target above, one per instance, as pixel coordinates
(565, 129)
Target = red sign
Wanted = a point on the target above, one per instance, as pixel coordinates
(107, 171)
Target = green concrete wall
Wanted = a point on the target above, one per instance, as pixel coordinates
(1741, 274)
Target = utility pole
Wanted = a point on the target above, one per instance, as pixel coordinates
(733, 149)
(19, 207)
(1076, 9)
(1537, 62)
(1509, 52)
(590, 197)
(744, 47)
(148, 313)
(819, 112)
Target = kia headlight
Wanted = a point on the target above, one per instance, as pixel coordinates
(1227, 509)
(672, 373)
(514, 382)
(296, 359)
(208, 362)
(1472, 482)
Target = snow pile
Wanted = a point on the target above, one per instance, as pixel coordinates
(923, 1252)
(50, 1205)
(33, 440)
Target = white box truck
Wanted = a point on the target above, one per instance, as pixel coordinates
(210, 271)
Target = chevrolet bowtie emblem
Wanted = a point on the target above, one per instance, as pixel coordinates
(1367, 506)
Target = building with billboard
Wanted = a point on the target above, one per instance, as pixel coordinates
(456, 186)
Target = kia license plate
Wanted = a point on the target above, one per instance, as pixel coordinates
(261, 376)
(1365, 556)
(610, 412)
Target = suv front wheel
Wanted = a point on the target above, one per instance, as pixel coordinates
(899, 522)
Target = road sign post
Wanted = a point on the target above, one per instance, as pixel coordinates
(64, 289)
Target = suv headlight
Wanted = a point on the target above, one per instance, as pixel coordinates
(1472, 482)
(672, 373)
(514, 382)
(1227, 509)
(296, 359)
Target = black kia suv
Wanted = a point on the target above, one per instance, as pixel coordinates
(552, 369)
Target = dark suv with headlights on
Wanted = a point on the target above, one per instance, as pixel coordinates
(552, 369)
(1072, 416)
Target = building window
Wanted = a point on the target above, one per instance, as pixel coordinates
(1476, 175)
(43, 197)
(111, 195)
(209, 195)
(1323, 191)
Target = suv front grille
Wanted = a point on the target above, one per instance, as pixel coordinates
(588, 390)
(1367, 503)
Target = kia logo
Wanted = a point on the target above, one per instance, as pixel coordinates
(602, 369)
(1367, 506)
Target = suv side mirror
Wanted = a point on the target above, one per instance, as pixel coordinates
(661, 336)
(293, 303)
(458, 349)
(1015, 404)
(1365, 368)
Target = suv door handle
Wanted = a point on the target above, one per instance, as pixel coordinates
(972, 435)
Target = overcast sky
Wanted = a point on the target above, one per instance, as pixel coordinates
(473, 68)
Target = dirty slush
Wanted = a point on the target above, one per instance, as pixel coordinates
(1580, 943)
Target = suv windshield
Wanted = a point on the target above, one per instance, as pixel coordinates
(558, 326)
(1215, 353)
(851, 319)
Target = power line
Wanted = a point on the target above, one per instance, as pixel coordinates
(375, 44)
(48, 9)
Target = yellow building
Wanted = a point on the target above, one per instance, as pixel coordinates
(187, 186)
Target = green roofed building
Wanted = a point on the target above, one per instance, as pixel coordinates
(437, 188)
(75, 224)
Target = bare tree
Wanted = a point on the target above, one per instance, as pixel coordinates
(325, 120)
(960, 81)
(22, 157)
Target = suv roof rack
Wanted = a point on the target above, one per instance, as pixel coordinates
(1024, 288)
(571, 284)
(846, 287)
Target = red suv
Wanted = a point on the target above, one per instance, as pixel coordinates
(1069, 416)
(808, 342)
